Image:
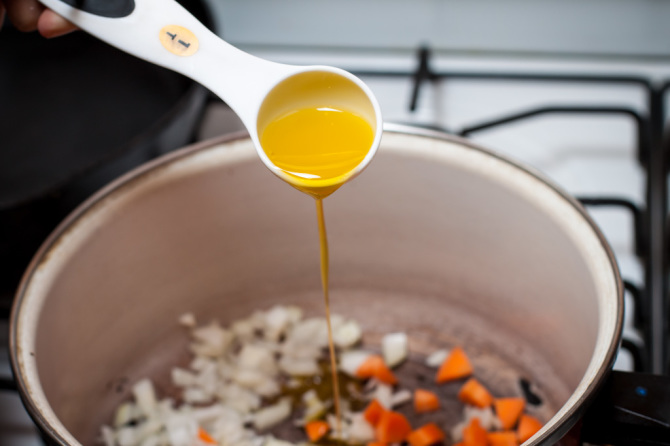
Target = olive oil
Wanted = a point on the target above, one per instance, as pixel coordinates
(317, 148)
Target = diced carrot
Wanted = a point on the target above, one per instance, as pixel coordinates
(507, 438)
(375, 367)
(425, 401)
(457, 365)
(204, 437)
(474, 393)
(528, 425)
(373, 412)
(376, 443)
(316, 429)
(509, 410)
(393, 427)
(426, 435)
(474, 434)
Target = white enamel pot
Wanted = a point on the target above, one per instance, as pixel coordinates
(438, 238)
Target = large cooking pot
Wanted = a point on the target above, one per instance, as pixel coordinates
(443, 240)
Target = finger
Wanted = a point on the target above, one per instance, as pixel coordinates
(24, 13)
(51, 24)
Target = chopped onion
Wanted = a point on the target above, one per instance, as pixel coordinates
(268, 388)
(149, 429)
(182, 378)
(230, 431)
(298, 367)
(436, 359)
(207, 380)
(195, 395)
(145, 396)
(394, 348)
(241, 399)
(278, 319)
(206, 415)
(313, 331)
(401, 397)
(126, 413)
(243, 329)
(201, 363)
(347, 334)
(315, 408)
(256, 357)
(249, 378)
(351, 360)
(331, 419)
(181, 430)
(272, 415)
(225, 369)
(301, 351)
(384, 395)
(211, 340)
(360, 430)
(126, 436)
(487, 418)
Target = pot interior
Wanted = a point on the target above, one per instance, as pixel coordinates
(437, 239)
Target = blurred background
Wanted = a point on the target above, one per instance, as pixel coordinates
(577, 89)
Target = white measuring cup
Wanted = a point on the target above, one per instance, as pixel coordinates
(166, 34)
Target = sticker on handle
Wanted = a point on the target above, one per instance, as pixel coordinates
(178, 40)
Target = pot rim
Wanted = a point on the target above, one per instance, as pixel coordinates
(552, 431)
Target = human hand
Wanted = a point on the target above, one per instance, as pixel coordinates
(30, 15)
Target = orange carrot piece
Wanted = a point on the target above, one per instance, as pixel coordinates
(506, 438)
(457, 365)
(373, 412)
(374, 367)
(474, 434)
(316, 429)
(426, 435)
(509, 410)
(528, 425)
(425, 401)
(393, 427)
(474, 393)
(376, 443)
(205, 437)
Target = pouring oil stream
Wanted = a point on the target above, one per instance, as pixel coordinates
(318, 148)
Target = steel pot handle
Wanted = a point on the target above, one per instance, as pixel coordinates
(632, 409)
